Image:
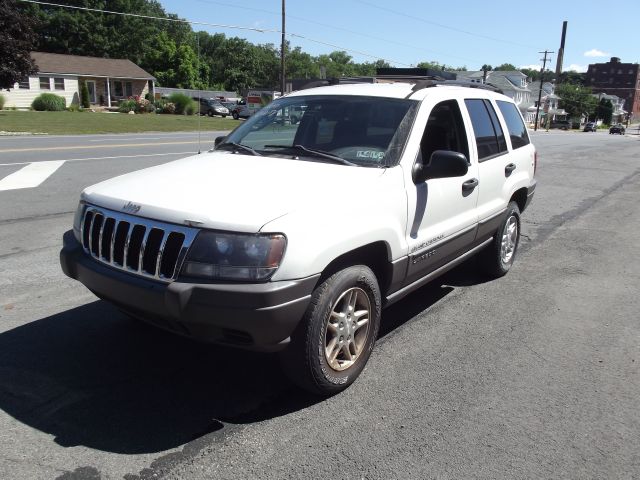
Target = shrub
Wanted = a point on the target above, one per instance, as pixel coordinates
(126, 106)
(84, 95)
(49, 102)
(184, 104)
(191, 108)
(2, 100)
(74, 107)
(163, 106)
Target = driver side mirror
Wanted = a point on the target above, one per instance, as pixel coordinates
(219, 140)
(443, 164)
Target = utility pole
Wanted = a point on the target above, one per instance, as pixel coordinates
(282, 71)
(544, 63)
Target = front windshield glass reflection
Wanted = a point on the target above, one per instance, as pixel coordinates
(366, 131)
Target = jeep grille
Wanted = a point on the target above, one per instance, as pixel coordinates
(143, 247)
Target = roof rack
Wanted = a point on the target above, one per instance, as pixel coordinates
(456, 83)
(420, 81)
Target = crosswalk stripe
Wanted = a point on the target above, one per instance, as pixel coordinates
(30, 175)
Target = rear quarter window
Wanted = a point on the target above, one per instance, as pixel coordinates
(515, 125)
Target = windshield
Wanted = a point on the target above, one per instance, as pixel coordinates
(365, 131)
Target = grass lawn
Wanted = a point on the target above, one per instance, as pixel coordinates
(67, 123)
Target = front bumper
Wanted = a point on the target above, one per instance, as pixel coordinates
(259, 316)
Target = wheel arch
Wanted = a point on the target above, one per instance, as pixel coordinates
(375, 255)
(520, 197)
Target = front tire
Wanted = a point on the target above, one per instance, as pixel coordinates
(336, 336)
(235, 115)
(496, 260)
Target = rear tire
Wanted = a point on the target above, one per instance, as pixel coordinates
(235, 115)
(498, 257)
(336, 336)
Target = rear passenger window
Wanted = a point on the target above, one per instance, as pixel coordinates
(488, 132)
(515, 125)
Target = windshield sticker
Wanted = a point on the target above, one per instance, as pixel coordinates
(372, 154)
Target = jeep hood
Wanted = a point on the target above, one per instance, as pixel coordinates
(228, 191)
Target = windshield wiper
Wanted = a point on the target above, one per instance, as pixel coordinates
(315, 153)
(239, 146)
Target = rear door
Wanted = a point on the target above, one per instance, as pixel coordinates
(494, 163)
(442, 212)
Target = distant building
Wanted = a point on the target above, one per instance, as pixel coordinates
(512, 83)
(619, 79)
(108, 80)
(619, 114)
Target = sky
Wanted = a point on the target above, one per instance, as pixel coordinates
(455, 33)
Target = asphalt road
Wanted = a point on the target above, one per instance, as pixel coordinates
(534, 375)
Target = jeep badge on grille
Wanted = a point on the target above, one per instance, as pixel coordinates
(131, 207)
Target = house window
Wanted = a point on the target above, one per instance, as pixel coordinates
(58, 83)
(128, 89)
(45, 84)
(24, 84)
(117, 86)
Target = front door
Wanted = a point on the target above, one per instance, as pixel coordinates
(91, 86)
(442, 211)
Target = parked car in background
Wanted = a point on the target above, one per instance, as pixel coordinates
(618, 128)
(230, 105)
(590, 127)
(561, 124)
(211, 107)
(241, 111)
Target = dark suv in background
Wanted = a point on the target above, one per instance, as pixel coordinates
(618, 128)
(590, 127)
(561, 124)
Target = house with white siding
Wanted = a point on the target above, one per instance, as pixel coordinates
(108, 80)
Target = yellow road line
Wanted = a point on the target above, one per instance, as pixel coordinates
(92, 147)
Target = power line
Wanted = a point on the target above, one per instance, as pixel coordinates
(441, 25)
(150, 17)
(334, 27)
(209, 24)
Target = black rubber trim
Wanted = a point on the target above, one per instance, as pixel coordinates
(394, 297)
(531, 189)
(265, 313)
(488, 226)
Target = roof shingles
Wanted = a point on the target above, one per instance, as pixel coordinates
(88, 66)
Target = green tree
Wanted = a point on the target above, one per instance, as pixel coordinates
(301, 65)
(604, 111)
(505, 67)
(572, 77)
(16, 42)
(576, 100)
(84, 95)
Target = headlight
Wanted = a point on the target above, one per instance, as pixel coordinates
(232, 256)
(77, 220)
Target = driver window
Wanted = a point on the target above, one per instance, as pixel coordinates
(444, 131)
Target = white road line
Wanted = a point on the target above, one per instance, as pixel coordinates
(128, 138)
(30, 176)
(103, 158)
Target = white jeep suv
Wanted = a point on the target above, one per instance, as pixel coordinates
(293, 236)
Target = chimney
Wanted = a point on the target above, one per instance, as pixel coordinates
(561, 51)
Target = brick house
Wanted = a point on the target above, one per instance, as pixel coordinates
(619, 79)
(108, 80)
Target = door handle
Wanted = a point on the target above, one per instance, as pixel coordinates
(509, 168)
(469, 185)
